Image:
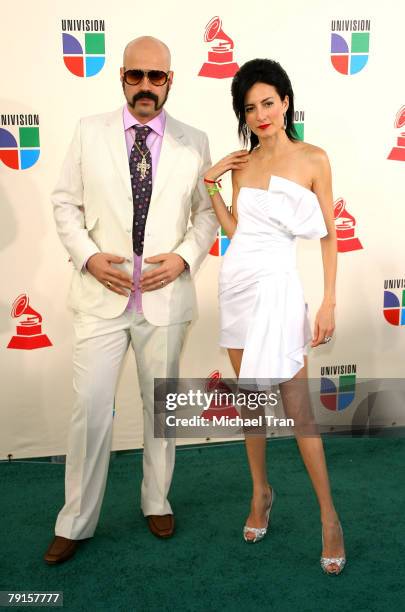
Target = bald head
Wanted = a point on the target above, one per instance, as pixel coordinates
(151, 52)
(145, 57)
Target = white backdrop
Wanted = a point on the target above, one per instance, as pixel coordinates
(351, 116)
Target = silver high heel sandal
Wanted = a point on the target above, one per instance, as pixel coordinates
(259, 532)
(339, 561)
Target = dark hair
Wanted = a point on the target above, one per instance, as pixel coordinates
(261, 71)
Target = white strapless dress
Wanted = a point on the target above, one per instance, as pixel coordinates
(262, 306)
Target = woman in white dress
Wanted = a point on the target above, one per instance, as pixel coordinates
(282, 189)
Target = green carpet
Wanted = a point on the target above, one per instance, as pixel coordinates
(207, 565)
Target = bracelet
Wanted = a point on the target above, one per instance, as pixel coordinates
(213, 182)
(213, 190)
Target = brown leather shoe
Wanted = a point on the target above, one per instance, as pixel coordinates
(60, 550)
(161, 525)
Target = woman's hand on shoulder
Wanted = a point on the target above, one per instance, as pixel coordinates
(234, 161)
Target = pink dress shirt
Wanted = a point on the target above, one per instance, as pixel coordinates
(154, 144)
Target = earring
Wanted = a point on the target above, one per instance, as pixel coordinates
(285, 121)
(246, 131)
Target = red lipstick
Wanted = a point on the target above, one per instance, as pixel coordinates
(264, 126)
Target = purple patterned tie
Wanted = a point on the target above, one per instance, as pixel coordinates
(140, 167)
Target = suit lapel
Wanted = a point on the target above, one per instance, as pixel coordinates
(169, 156)
(118, 147)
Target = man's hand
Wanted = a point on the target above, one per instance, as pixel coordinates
(99, 265)
(171, 266)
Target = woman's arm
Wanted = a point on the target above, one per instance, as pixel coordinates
(322, 187)
(234, 161)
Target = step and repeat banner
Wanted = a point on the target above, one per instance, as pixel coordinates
(60, 61)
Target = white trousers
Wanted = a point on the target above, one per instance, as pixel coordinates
(100, 347)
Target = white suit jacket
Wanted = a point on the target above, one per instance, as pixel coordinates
(93, 209)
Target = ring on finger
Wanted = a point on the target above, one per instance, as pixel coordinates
(108, 284)
(162, 283)
(327, 339)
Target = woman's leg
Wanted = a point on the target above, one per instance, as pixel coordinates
(296, 393)
(256, 453)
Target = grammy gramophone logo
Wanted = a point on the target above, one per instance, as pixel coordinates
(345, 225)
(29, 330)
(220, 64)
(222, 404)
(398, 152)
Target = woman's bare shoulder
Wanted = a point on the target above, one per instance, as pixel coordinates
(314, 154)
(316, 159)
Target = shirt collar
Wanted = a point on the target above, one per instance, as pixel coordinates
(157, 124)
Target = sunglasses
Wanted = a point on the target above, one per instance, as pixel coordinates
(156, 77)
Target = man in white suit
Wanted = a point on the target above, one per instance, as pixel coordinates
(133, 213)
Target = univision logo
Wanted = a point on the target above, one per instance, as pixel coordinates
(394, 305)
(349, 48)
(221, 243)
(19, 147)
(299, 118)
(338, 394)
(83, 54)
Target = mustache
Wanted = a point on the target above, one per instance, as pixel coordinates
(145, 94)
